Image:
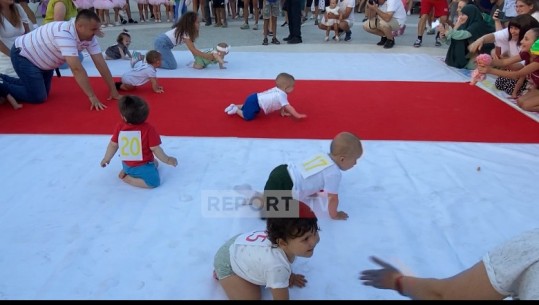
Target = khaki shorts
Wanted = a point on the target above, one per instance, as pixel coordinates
(270, 10)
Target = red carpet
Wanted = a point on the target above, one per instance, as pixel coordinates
(372, 110)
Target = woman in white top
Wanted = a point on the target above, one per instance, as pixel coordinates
(507, 43)
(509, 270)
(185, 31)
(13, 23)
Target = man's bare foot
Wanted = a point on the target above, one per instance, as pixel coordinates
(122, 174)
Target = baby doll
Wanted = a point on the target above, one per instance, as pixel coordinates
(480, 60)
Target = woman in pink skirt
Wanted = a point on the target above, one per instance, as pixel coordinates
(156, 5)
(102, 7)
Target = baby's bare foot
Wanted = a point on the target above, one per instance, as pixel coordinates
(13, 102)
(122, 174)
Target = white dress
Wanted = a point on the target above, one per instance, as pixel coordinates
(334, 11)
(8, 34)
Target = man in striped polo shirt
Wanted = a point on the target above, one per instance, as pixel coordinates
(35, 55)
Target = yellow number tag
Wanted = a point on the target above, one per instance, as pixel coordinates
(130, 143)
(314, 165)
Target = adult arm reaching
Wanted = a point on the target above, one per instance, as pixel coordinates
(510, 269)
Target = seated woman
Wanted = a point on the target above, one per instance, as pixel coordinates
(469, 27)
(507, 43)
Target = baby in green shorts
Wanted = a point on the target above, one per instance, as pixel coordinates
(219, 53)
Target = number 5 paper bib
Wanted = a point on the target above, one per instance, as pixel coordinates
(130, 143)
(256, 238)
(314, 165)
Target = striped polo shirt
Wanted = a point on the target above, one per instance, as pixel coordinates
(47, 45)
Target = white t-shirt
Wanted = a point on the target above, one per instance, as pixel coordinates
(9, 32)
(395, 6)
(314, 174)
(256, 260)
(509, 8)
(139, 75)
(170, 34)
(501, 39)
(272, 100)
(47, 45)
(513, 267)
(343, 4)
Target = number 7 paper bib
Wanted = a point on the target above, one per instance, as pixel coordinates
(314, 165)
(130, 143)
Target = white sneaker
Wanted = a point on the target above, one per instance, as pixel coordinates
(233, 110)
(230, 107)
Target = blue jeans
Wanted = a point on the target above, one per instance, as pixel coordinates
(66, 66)
(33, 85)
(163, 45)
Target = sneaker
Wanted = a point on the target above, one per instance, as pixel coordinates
(275, 41)
(389, 43)
(316, 22)
(382, 41)
(338, 37)
(230, 107)
(438, 43)
(327, 38)
(122, 20)
(255, 27)
(232, 110)
(417, 43)
(431, 32)
(348, 36)
(245, 26)
(265, 42)
(132, 21)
